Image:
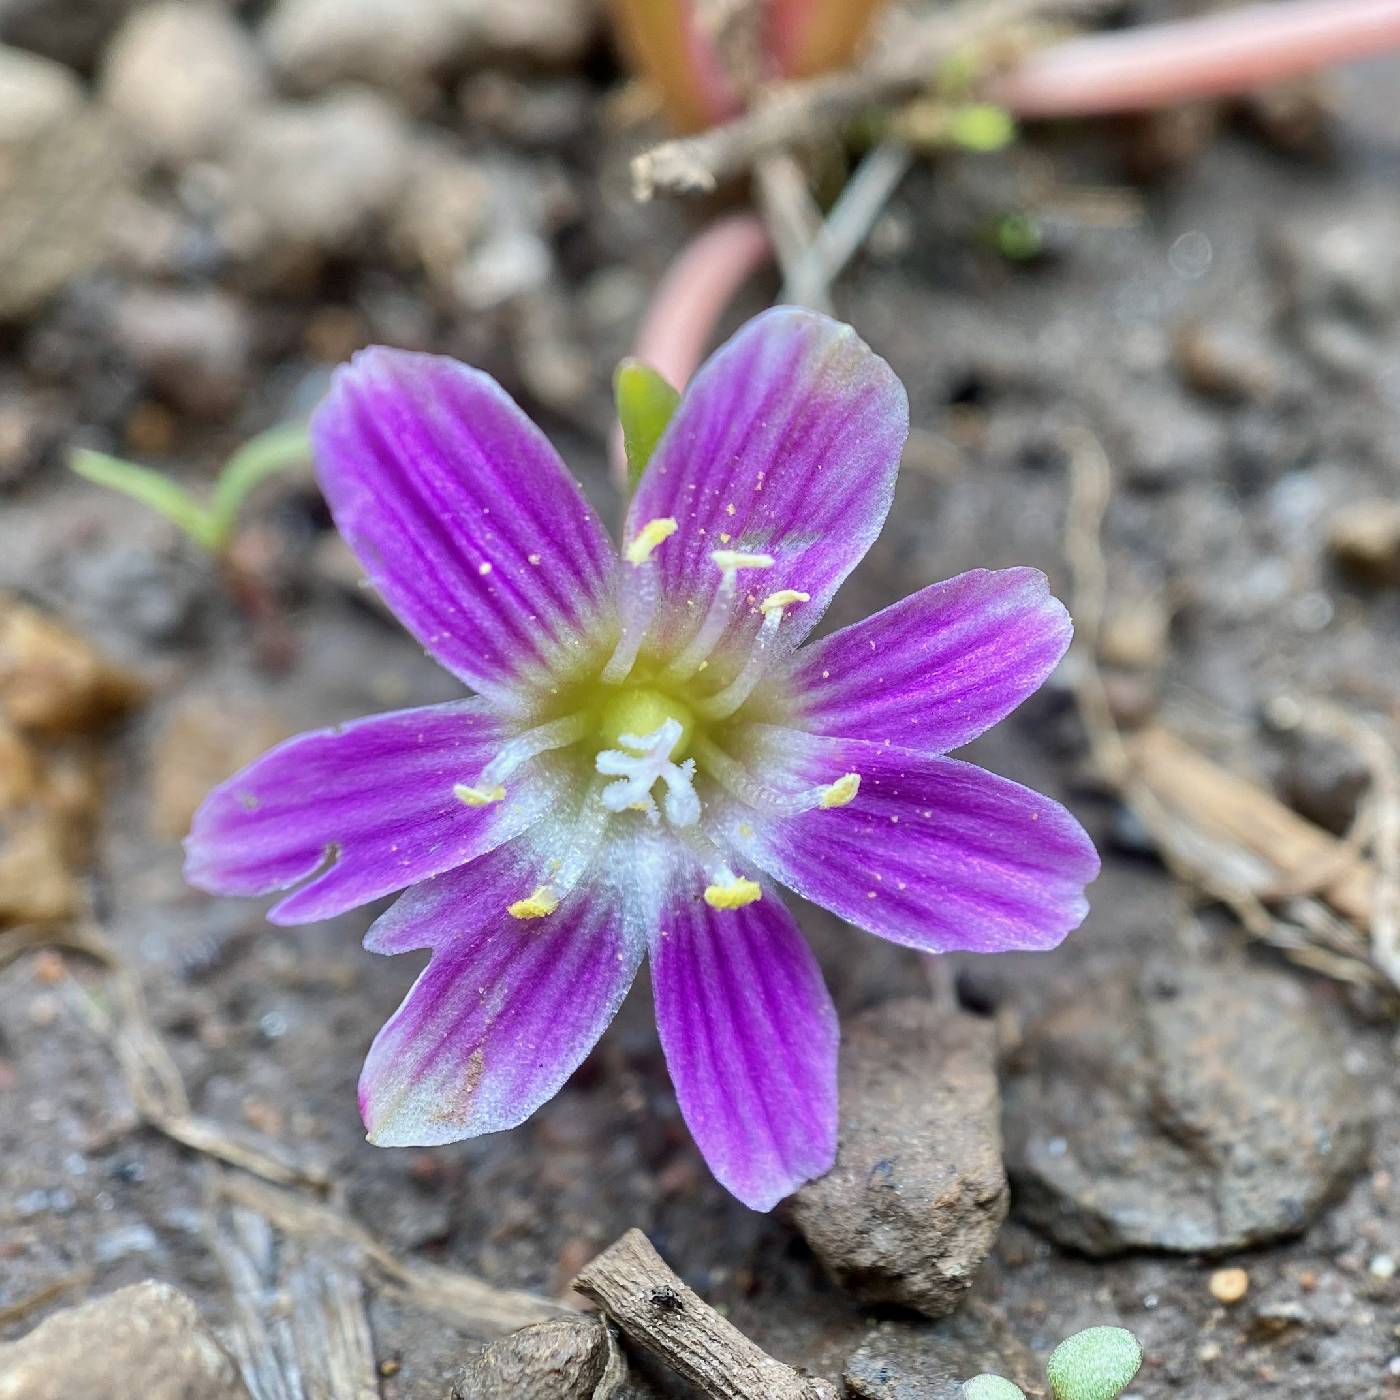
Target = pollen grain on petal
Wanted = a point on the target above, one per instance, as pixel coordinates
(478, 796)
(648, 537)
(842, 791)
(728, 560)
(543, 901)
(733, 894)
(783, 598)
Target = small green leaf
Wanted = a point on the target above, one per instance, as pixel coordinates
(151, 488)
(259, 458)
(645, 403)
(989, 1387)
(981, 126)
(1096, 1364)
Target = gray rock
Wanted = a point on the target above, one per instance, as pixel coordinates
(193, 346)
(917, 1195)
(35, 94)
(316, 176)
(182, 76)
(59, 192)
(71, 33)
(1194, 1108)
(566, 1358)
(406, 46)
(1341, 264)
(147, 1341)
(931, 1360)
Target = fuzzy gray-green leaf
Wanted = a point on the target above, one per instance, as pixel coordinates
(989, 1387)
(1096, 1364)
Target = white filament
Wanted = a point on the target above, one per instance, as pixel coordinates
(554, 735)
(639, 592)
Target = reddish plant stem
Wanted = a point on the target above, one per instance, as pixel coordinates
(690, 299)
(1163, 64)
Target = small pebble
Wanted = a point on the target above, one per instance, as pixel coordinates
(1383, 1266)
(1229, 1285)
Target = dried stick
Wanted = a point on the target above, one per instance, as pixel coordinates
(1217, 833)
(470, 1302)
(633, 1285)
(848, 225)
(153, 1080)
(798, 113)
(1154, 66)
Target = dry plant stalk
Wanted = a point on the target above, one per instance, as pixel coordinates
(1219, 833)
(633, 1284)
(469, 1302)
(794, 114)
(1246, 834)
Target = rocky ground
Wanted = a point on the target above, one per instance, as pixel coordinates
(201, 211)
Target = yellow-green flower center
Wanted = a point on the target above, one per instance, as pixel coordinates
(641, 710)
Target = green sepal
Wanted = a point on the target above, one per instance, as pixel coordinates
(1096, 1364)
(645, 403)
(989, 1387)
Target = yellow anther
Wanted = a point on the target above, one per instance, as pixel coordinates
(728, 559)
(543, 901)
(733, 894)
(842, 791)
(478, 797)
(783, 598)
(648, 537)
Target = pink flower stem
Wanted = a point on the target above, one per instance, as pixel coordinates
(1163, 64)
(691, 297)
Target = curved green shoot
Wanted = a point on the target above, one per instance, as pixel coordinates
(210, 525)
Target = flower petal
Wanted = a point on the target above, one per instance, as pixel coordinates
(786, 443)
(464, 518)
(750, 1037)
(937, 669)
(368, 804)
(508, 1007)
(932, 853)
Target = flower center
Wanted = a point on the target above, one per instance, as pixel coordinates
(647, 731)
(641, 710)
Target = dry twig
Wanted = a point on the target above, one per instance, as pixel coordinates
(471, 1303)
(1218, 833)
(632, 1284)
(152, 1078)
(795, 114)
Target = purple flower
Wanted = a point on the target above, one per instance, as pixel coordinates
(649, 754)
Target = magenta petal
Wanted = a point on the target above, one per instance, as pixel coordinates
(750, 1037)
(938, 668)
(932, 853)
(786, 443)
(463, 517)
(504, 1012)
(370, 803)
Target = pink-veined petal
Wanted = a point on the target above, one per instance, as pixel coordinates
(464, 519)
(932, 852)
(785, 443)
(750, 1037)
(938, 668)
(508, 1007)
(369, 805)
